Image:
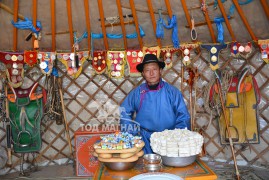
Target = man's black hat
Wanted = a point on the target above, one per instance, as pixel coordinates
(149, 58)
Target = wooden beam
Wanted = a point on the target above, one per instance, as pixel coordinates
(118, 24)
(199, 7)
(243, 18)
(187, 15)
(136, 24)
(226, 20)
(10, 11)
(70, 23)
(209, 25)
(15, 19)
(142, 9)
(101, 12)
(88, 24)
(53, 25)
(122, 24)
(202, 23)
(265, 8)
(168, 7)
(153, 21)
(34, 18)
(60, 32)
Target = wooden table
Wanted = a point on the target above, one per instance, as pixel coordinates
(196, 171)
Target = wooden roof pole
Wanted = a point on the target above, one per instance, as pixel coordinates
(136, 23)
(185, 9)
(53, 22)
(70, 24)
(265, 7)
(241, 14)
(34, 17)
(151, 12)
(10, 11)
(88, 24)
(213, 37)
(168, 6)
(122, 24)
(15, 19)
(102, 19)
(226, 20)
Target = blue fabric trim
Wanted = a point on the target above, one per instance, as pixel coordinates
(27, 24)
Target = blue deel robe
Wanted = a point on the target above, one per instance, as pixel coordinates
(156, 110)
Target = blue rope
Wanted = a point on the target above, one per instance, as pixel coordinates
(78, 40)
(218, 21)
(159, 28)
(27, 24)
(232, 8)
(172, 23)
(118, 36)
(115, 36)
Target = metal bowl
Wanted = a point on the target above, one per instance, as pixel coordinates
(178, 161)
(120, 166)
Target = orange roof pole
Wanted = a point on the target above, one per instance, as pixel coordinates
(168, 6)
(151, 12)
(15, 19)
(136, 23)
(87, 18)
(185, 9)
(34, 17)
(122, 24)
(213, 37)
(240, 12)
(53, 22)
(70, 23)
(226, 20)
(102, 18)
(265, 7)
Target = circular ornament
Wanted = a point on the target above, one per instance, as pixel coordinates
(140, 54)
(186, 52)
(241, 48)
(213, 50)
(214, 58)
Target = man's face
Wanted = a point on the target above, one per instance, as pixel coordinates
(152, 73)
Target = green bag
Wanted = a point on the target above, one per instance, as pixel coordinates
(25, 115)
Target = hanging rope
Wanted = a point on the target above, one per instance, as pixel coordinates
(218, 21)
(172, 24)
(27, 24)
(115, 36)
(159, 28)
(78, 40)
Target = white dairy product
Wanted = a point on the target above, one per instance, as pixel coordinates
(176, 143)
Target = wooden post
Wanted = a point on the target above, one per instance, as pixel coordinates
(102, 19)
(88, 24)
(151, 12)
(226, 20)
(213, 37)
(53, 25)
(241, 14)
(136, 23)
(15, 19)
(70, 23)
(122, 24)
